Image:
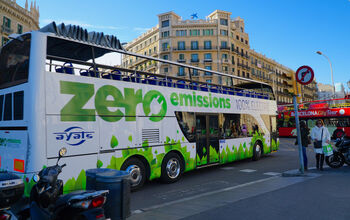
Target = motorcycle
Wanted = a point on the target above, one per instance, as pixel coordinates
(341, 155)
(48, 202)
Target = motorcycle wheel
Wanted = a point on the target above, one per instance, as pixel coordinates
(336, 160)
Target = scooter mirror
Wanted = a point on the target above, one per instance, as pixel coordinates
(36, 178)
(62, 152)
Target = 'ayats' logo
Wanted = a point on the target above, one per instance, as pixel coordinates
(74, 136)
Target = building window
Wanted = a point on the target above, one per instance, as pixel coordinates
(194, 57)
(243, 73)
(19, 29)
(208, 32)
(7, 22)
(195, 72)
(207, 56)
(181, 56)
(224, 56)
(237, 37)
(233, 60)
(208, 73)
(194, 32)
(165, 34)
(225, 68)
(246, 42)
(165, 57)
(154, 49)
(194, 45)
(208, 80)
(224, 45)
(181, 45)
(207, 44)
(223, 21)
(165, 46)
(165, 23)
(242, 39)
(238, 73)
(181, 33)
(4, 41)
(181, 71)
(233, 70)
(166, 69)
(253, 71)
(223, 32)
(232, 47)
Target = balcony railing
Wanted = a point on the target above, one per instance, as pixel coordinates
(181, 60)
(224, 48)
(194, 60)
(207, 60)
(6, 30)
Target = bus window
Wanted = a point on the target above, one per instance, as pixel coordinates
(239, 125)
(14, 62)
(187, 124)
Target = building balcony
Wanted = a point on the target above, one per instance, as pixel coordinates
(181, 60)
(224, 61)
(208, 60)
(224, 48)
(6, 30)
(194, 60)
(166, 49)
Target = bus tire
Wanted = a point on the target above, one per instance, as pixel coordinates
(137, 171)
(172, 168)
(257, 151)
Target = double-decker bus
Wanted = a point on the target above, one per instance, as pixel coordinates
(54, 94)
(334, 112)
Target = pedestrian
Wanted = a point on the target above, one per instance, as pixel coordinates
(321, 137)
(305, 131)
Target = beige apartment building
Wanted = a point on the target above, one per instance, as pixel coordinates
(17, 20)
(217, 43)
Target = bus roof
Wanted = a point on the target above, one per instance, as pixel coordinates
(107, 44)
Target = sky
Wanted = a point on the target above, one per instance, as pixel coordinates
(288, 31)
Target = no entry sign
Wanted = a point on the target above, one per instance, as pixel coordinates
(304, 75)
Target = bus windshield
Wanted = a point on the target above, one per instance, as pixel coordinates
(14, 62)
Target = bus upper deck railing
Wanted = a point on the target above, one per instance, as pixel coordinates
(136, 76)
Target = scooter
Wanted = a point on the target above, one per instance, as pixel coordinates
(341, 155)
(48, 202)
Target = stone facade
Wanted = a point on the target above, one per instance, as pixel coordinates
(218, 43)
(17, 20)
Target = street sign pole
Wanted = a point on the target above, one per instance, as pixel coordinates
(301, 158)
(304, 75)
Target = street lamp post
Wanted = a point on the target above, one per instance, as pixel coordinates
(330, 64)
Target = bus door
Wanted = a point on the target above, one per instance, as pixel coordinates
(273, 132)
(207, 139)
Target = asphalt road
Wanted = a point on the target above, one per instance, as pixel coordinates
(210, 179)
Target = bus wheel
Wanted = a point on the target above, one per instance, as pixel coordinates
(171, 168)
(257, 149)
(137, 171)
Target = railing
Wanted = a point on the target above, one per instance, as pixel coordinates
(136, 76)
(207, 60)
(5, 29)
(194, 60)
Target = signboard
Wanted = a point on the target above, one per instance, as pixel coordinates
(304, 75)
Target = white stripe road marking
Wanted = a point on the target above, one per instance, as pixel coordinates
(227, 168)
(272, 174)
(248, 171)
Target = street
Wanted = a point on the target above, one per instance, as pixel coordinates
(248, 190)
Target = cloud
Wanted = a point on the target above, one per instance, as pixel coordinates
(80, 23)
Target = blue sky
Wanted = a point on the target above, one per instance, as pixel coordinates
(288, 31)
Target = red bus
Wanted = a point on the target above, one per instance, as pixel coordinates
(335, 113)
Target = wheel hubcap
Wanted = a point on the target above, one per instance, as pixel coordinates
(258, 149)
(135, 174)
(173, 168)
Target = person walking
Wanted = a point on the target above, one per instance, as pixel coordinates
(321, 137)
(305, 131)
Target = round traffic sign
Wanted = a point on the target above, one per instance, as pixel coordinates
(304, 75)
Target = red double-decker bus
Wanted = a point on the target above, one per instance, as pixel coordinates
(335, 113)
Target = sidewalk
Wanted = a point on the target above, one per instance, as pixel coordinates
(318, 195)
